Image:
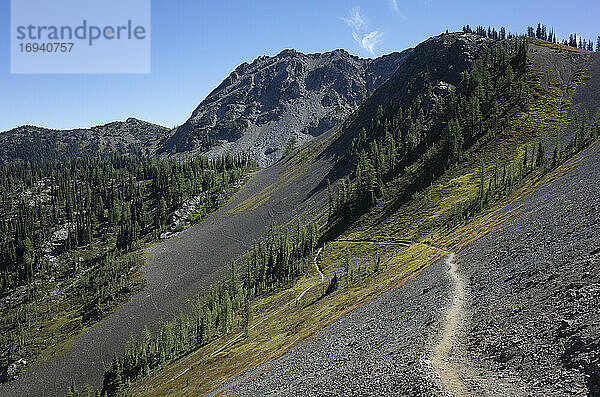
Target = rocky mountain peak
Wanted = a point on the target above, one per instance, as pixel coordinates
(261, 105)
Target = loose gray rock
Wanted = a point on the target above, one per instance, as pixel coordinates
(261, 105)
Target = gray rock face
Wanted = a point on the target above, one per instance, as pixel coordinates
(260, 106)
(12, 368)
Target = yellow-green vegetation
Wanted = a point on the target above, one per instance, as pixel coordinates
(255, 201)
(199, 372)
(467, 201)
(53, 289)
(65, 322)
(298, 164)
(547, 116)
(502, 155)
(196, 374)
(56, 312)
(495, 215)
(555, 46)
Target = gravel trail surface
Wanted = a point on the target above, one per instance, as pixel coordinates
(380, 348)
(527, 325)
(515, 313)
(532, 308)
(450, 372)
(535, 282)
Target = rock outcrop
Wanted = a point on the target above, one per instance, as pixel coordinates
(262, 105)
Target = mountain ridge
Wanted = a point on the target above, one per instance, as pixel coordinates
(30, 142)
(261, 105)
(258, 108)
(392, 169)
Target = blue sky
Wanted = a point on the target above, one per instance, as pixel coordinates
(196, 44)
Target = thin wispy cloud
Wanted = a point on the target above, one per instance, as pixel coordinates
(358, 23)
(369, 40)
(396, 8)
(355, 21)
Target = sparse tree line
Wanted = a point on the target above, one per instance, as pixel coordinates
(493, 89)
(98, 199)
(272, 263)
(95, 289)
(541, 33)
(353, 274)
(499, 86)
(106, 206)
(500, 181)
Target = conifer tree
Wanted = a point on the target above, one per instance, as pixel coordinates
(540, 154)
(556, 154)
(481, 183)
(347, 266)
(246, 316)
